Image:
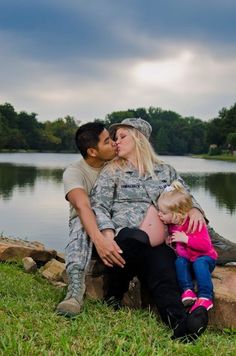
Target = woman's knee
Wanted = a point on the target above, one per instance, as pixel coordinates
(127, 234)
(164, 253)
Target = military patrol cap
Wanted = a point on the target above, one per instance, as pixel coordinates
(139, 124)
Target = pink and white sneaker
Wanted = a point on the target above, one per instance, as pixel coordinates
(202, 302)
(188, 297)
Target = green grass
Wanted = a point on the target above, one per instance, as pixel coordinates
(222, 157)
(29, 325)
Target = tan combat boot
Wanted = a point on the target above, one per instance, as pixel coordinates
(73, 301)
(69, 307)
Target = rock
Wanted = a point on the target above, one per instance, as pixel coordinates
(15, 250)
(58, 284)
(223, 315)
(95, 280)
(53, 271)
(133, 298)
(60, 257)
(29, 264)
(95, 286)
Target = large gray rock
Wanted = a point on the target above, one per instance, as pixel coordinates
(223, 315)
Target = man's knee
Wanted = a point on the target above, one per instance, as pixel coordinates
(219, 241)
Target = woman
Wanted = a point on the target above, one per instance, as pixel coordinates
(124, 198)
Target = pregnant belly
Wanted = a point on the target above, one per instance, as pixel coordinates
(154, 227)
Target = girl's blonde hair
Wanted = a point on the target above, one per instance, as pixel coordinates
(145, 154)
(176, 200)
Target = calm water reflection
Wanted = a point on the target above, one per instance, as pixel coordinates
(32, 204)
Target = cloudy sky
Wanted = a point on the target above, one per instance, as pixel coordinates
(87, 58)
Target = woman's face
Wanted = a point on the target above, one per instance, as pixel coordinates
(125, 144)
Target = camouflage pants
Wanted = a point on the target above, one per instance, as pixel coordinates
(226, 249)
(79, 249)
(219, 241)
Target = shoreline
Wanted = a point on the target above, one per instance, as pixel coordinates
(227, 158)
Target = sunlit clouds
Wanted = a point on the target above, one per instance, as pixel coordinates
(167, 73)
(87, 60)
(187, 72)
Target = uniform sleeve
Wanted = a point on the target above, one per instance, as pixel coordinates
(72, 179)
(102, 196)
(176, 176)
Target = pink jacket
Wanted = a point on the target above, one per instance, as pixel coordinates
(199, 243)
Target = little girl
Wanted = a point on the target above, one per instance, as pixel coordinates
(196, 257)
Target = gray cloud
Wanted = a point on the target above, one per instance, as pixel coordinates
(90, 58)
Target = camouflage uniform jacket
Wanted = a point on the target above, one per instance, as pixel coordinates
(120, 198)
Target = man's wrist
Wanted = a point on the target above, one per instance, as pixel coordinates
(97, 237)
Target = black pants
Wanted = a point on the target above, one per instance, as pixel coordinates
(155, 268)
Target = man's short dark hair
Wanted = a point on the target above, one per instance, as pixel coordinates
(87, 136)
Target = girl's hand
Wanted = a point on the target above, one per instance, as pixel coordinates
(179, 236)
(168, 240)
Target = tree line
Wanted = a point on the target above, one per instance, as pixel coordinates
(172, 133)
(22, 131)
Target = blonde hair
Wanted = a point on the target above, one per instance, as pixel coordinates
(176, 200)
(145, 154)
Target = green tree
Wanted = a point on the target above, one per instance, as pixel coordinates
(30, 128)
(8, 115)
(231, 140)
(162, 142)
(219, 128)
(60, 134)
(118, 116)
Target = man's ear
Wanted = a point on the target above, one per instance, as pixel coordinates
(92, 152)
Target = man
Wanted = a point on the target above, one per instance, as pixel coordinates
(96, 147)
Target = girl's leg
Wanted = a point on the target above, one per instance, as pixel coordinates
(203, 266)
(183, 272)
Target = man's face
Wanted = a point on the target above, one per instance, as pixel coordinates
(106, 148)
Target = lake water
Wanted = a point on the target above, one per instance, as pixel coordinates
(32, 204)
